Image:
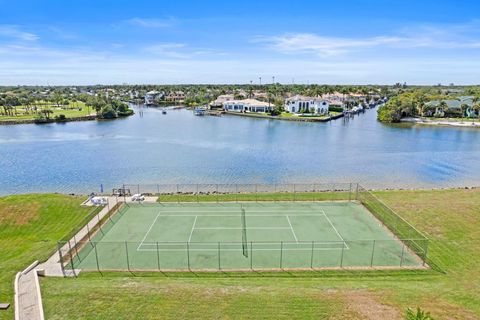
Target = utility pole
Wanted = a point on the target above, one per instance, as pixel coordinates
(260, 80)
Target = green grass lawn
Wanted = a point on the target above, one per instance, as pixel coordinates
(70, 111)
(30, 226)
(449, 217)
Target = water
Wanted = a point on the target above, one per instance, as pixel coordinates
(181, 148)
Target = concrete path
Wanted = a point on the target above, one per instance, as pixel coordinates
(28, 299)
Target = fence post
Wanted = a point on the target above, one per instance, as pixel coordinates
(275, 193)
(188, 256)
(178, 195)
(219, 267)
(356, 192)
(403, 252)
(281, 254)
(236, 192)
(128, 260)
(314, 192)
(251, 255)
(124, 194)
(216, 191)
(88, 232)
(75, 246)
(197, 192)
(71, 258)
(341, 258)
(373, 252)
(59, 246)
(158, 257)
(158, 190)
(96, 257)
(256, 193)
(350, 193)
(294, 193)
(425, 251)
(311, 257)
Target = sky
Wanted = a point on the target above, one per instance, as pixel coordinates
(168, 42)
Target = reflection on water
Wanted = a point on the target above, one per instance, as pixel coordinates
(178, 147)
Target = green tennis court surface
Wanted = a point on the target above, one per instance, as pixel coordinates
(216, 236)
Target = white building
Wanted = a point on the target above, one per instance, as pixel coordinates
(247, 105)
(152, 96)
(221, 99)
(301, 104)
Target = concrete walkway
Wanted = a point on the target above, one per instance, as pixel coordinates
(28, 299)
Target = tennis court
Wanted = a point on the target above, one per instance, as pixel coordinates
(237, 236)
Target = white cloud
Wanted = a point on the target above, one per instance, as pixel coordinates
(151, 22)
(12, 31)
(462, 36)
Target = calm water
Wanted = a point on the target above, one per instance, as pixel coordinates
(181, 148)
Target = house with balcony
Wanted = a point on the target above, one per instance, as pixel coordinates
(152, 97)
(303, 104)
(175, 97)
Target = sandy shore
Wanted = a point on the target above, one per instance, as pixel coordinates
(442, 122)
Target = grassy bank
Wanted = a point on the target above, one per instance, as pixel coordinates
(73, 110)
(30, 226)
(261, 196)
(449, 217)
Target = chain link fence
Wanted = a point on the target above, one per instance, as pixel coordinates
(89, 252)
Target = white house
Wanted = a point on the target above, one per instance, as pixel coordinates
(247, 105)
(152, 96)
(301, 104)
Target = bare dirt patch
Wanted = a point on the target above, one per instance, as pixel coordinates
(362, 304)
(18, 214)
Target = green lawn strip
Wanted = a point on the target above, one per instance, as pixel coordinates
(30, 226)
(283, 196)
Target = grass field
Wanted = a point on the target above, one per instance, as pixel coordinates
(271, 235)
(71, 111)
(30, 226)
(449, 217)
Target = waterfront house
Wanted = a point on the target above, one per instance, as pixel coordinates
(247, 105)
(152, 97)
(451, 107)
(302, 104)
(175, 97)
(218, 103)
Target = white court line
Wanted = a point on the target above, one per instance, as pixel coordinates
(294, 235)
(236, 215)
(193, 228)
(234, 211)
(236, 228)
(239, 249)
(338, 233)
(148, 231)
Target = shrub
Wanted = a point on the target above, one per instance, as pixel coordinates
(60, 117)
(108, 112)
(335, 108)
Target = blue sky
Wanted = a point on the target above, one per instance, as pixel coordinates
(334, 42)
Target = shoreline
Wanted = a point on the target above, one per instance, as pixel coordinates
(297, 119)
(259, 194)
(34, 121)
(444, 123)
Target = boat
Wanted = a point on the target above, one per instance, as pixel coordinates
(164, 111)
(200, 111)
